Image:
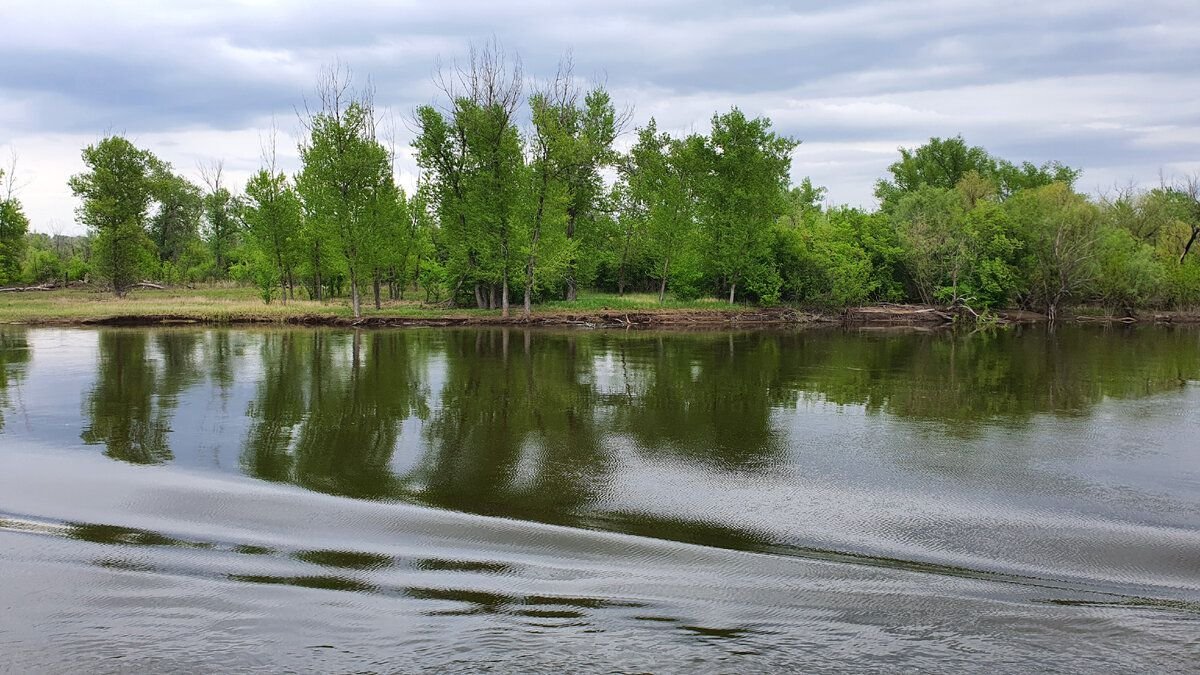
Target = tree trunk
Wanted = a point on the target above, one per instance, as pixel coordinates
(479, 297)
(732, 292)
(504, 297)
(662, 287)
(571, 290)
(376, 282)
(1195, 233)
(354, 299)
(320, 290)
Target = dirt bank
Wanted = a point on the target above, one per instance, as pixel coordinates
(875, 316)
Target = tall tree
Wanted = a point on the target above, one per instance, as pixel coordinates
(176, 221)
(473, 158)
(589, 136)
(221, 225)
(944, 162)
(664, 176)
(271, 212)
(116, 193)
(13, 228)
(745, 191)
(346, 176)
(1062, 231)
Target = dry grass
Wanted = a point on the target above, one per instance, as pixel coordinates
(221, 304)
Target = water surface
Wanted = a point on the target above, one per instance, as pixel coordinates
(599, 501)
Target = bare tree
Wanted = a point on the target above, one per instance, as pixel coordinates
(1190, 189)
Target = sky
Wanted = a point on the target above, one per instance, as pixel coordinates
(1112, 88)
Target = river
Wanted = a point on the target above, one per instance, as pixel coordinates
(507, 500)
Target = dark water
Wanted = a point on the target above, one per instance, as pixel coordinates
(513, 501)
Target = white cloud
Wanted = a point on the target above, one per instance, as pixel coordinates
(1104, 85)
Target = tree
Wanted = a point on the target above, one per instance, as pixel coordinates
(220, 217)
(944, 163)
(743, 193)
(569, 142)
(176, 221)
(1187, 196)
(13, 228)
(664, 176)
(346, 176)
(472, 157)
(1061, 231)
(940, 163)
(820, 255)
(959, 244)
(271, 212)
(116, 193)
(587, 134)
(550, 110)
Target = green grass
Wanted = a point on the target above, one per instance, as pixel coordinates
(232, 303)
(595, 302)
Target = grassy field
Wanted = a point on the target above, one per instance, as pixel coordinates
(222, 304)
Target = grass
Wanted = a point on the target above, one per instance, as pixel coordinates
(227, 303)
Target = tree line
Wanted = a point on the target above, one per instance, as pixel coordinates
(523, 197)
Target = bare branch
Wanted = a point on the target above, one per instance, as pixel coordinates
(210, 173)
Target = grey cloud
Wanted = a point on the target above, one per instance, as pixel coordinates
(878, 73)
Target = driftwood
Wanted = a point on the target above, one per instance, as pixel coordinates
(20, 289)
(147, 284)
(902, 315)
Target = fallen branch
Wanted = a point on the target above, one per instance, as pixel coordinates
(19, 289)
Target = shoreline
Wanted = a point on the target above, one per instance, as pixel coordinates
(873, 316)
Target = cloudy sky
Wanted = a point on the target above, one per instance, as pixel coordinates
(1111, 87)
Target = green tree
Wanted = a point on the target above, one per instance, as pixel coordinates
(13, 228)
(220, 224)
(1061, 230)
(944, 163)
(116, 193)
(271, 213)
(587, 134)
(820, 258)
(744, 192)
(176, 221)
(664, 178)
(346, 178)
(474, 167)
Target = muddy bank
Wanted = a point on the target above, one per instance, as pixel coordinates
(875, 316)
(777, 317)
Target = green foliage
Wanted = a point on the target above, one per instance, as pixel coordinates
(221, 228)
(944, 163)
(13, 228)
(742, 193)
(821, 261)
(176, 221)
(1128, 275)
(534, 210)
(1060, 230)
(271, 212)
(116, 193)
(347, 190)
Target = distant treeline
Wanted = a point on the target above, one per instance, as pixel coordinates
(522, 197)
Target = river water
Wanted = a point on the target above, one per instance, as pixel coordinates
(538, 501)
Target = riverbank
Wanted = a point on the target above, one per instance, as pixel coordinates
(240, 306)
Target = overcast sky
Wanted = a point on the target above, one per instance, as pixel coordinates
(1110, 87)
